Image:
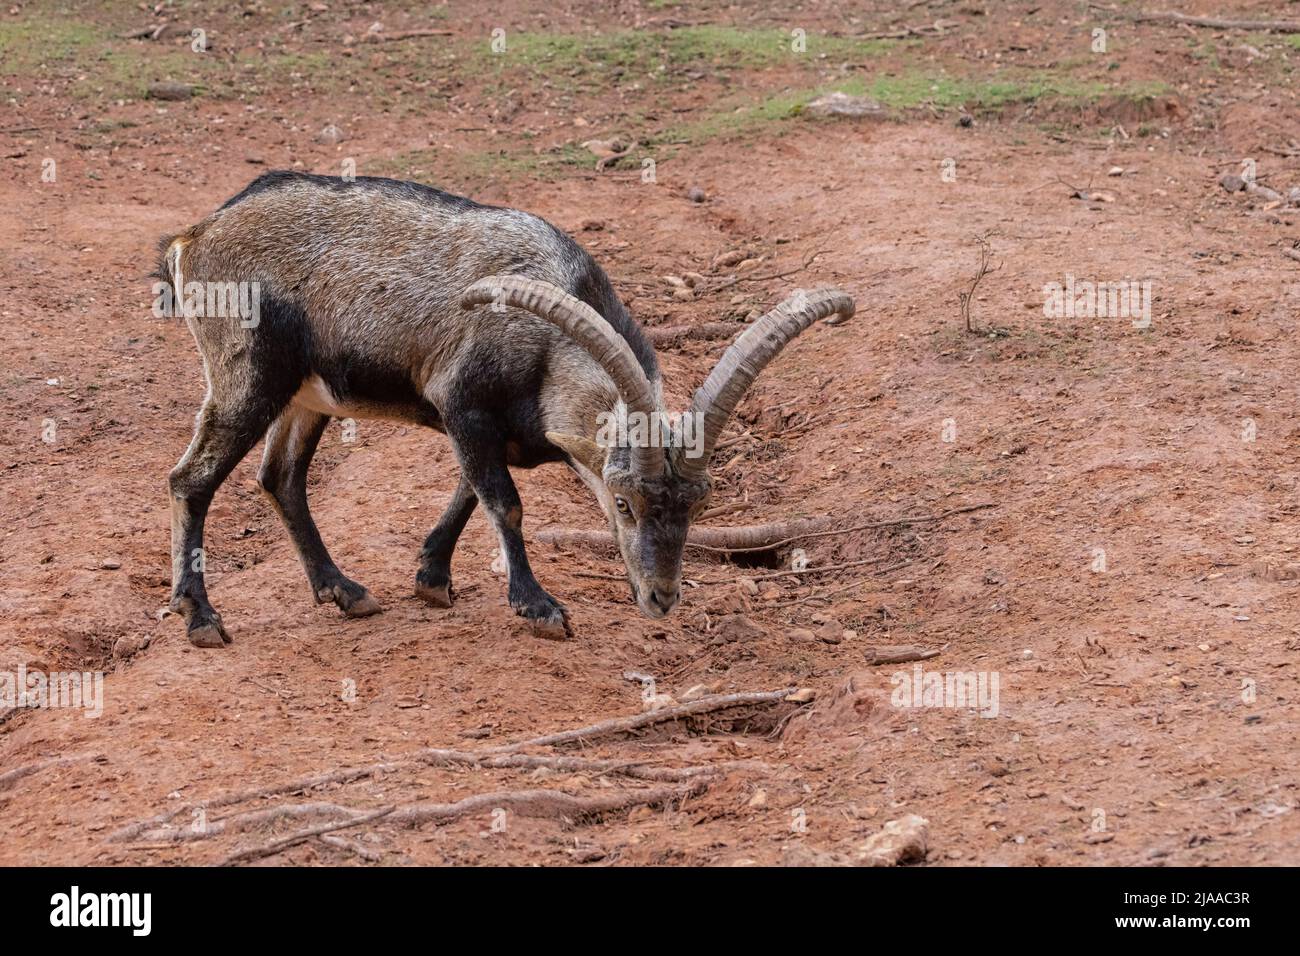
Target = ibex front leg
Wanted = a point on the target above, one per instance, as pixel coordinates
(482, 451)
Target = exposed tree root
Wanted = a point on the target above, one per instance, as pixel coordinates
(159, 829)
(758, 537)
(10, 777)
(530, 803)
(351, 846)
(302, 836)
(624, 725)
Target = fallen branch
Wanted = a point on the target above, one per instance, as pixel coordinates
(937, 29)
(765, 277)
(378, 36)
(761, 537)
(666, 336)
(898, 654)
(1214, 23)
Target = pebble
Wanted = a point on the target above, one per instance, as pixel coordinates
(331, 135)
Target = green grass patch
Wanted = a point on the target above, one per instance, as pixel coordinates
(32, 42)
(651, 51)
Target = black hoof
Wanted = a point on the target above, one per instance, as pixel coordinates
(547, 618)
(352, 599)
(207, 631)
(435, 595)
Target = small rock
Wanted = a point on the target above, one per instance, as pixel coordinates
(830, 631)
(110, 564)
(683, 294)
(900, 841)
(758, 800)
(657, 702)
(1099, 838)
(736, 627)
(843, 104)
(591, 225)
(331, 135)
(801, 635)
(747, 586)
(696, 194)
(128, 645)
(698, 691)
(169, 91)
(1232, 182)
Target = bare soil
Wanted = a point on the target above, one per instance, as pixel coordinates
(1133, 586)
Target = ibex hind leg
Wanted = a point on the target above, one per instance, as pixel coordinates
(225, 433)
(290, 445)
(433, 580)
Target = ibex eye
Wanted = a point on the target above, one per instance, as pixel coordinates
(623, 507)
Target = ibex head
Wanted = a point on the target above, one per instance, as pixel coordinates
(652, 467)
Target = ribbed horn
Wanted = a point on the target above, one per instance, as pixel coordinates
(589, 329)
(721, 392)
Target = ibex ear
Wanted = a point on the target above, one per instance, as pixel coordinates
(582, 450)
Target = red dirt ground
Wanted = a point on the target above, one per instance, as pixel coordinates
(1127, 730)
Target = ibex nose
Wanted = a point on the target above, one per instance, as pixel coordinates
(665, 601)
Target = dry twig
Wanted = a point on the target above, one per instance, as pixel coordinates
(964, 298)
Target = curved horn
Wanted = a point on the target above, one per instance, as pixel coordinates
(589, 329)
(721, 392)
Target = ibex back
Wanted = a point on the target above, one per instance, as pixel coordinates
(379, 298)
